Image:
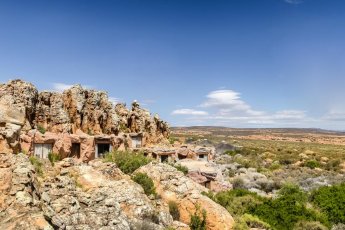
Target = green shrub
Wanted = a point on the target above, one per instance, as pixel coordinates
(173, 210)
(198, 219)
(312, 164)
(254, 222)
(53, 157)
(289, 208)
(238, 183)
(333, 165)
(309, 225)
(172, 140)
(274, 166)
(37, 165)
(331, 200)
(146, 182)
(41, 129)
(181, 168)
(127, 161)
(237, 201)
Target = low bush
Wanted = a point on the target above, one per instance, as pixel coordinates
(254, 222)
(312, 164)
(127, 161)
(37, 165)
(146, 182)
(41, 129)
(198, 219)
(237, 201)
(238, 183)
(173, 210)
(309, 225)
(53, 157)
(333, 165)
(181, 168)
(331, 200)
(287, 210)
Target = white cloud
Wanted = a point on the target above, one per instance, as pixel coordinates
(225, 107)
(115, 100)
(334, 116)
(228, 102)
(294, 1)
(60, 87)
(289, 115)
(189, 112)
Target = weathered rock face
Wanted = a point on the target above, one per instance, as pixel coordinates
(172, 185)
(19, 196)
(74, 195)
(76, 110)
(17, 108)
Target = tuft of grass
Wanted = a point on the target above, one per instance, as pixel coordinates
(198, 219)
(37, 165)
(53, 157)
(41, 129)
(173, 210)
(181, 168)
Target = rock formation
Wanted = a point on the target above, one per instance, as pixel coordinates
(76, 110)
(172, 185)
(74, 195)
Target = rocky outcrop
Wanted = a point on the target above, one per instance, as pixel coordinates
(19, 195)
(76, 110)
(172, 185)
(74, 195)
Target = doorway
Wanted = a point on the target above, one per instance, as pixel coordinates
(75, 150)
(42, 150)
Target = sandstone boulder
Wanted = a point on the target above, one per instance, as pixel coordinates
(172, 185)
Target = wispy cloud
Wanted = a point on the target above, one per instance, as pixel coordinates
(115, 100)
(189, 112)
(227, 108)
(296, 2)
(60, 87)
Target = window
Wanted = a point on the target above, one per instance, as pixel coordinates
(102, 149)
(42, 150)
(75, 150)
(202, 157)
(181, 157)
(136, 141)
(164, 158)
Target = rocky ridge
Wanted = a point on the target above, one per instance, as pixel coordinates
(23, 108)
(97, 195)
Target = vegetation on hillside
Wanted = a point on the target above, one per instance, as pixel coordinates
(127, 161)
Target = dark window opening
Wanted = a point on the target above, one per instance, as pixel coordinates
(164, 158)
(208, 184)
(75, 150)
(102, 149)
(181, 157)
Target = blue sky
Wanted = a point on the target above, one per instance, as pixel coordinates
(236, 63)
